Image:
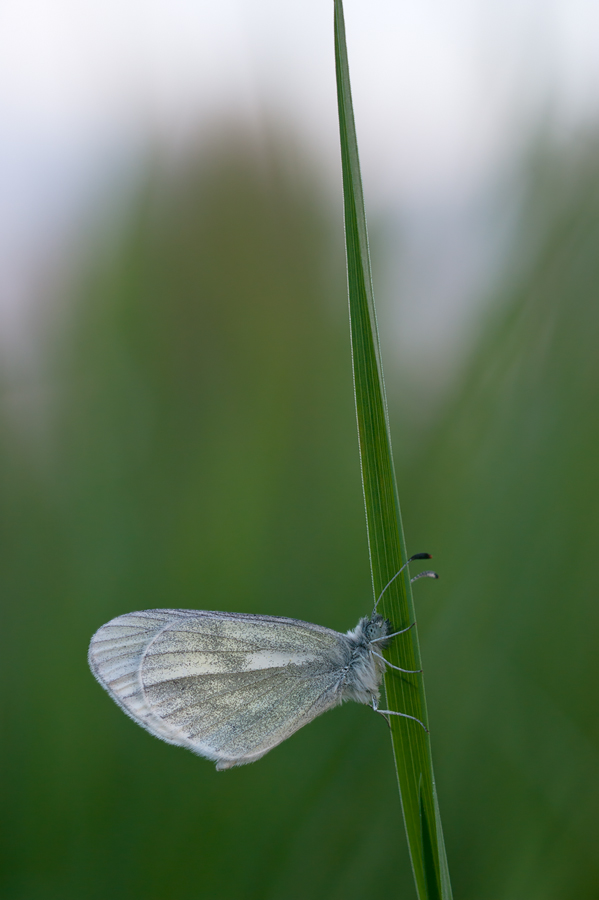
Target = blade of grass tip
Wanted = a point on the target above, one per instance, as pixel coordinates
(405, 693)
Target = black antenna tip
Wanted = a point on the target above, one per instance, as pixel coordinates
(420, 556)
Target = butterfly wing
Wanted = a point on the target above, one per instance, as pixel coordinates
(228, 686)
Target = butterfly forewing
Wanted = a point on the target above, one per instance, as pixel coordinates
(228, 686)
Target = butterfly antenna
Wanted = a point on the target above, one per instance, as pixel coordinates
(411, 559)
(427, 574)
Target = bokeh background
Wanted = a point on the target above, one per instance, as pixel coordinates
(177, 429)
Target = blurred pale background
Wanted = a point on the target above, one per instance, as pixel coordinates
(177, 428)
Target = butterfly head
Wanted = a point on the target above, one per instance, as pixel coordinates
(371, 629)
(377, 627)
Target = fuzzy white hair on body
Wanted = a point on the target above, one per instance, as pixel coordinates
(365, 672)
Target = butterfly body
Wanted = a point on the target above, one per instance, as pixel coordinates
(231, 686)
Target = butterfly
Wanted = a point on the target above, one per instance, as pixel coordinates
(231, 686)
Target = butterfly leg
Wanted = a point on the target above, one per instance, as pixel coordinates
(392, 712)
(397, 668)
(377, 710)
(386, 637)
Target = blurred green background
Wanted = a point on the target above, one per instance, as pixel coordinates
(194, 446)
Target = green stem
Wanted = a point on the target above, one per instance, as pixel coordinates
(405, 693)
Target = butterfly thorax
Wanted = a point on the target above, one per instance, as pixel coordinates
(365, 671)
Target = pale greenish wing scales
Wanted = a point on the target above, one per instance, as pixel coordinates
(227, 686)
(236, 718)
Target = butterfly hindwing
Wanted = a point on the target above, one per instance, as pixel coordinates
(227, 686)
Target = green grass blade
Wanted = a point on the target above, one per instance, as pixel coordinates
(405, 693)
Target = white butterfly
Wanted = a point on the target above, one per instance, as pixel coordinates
(230, 686)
